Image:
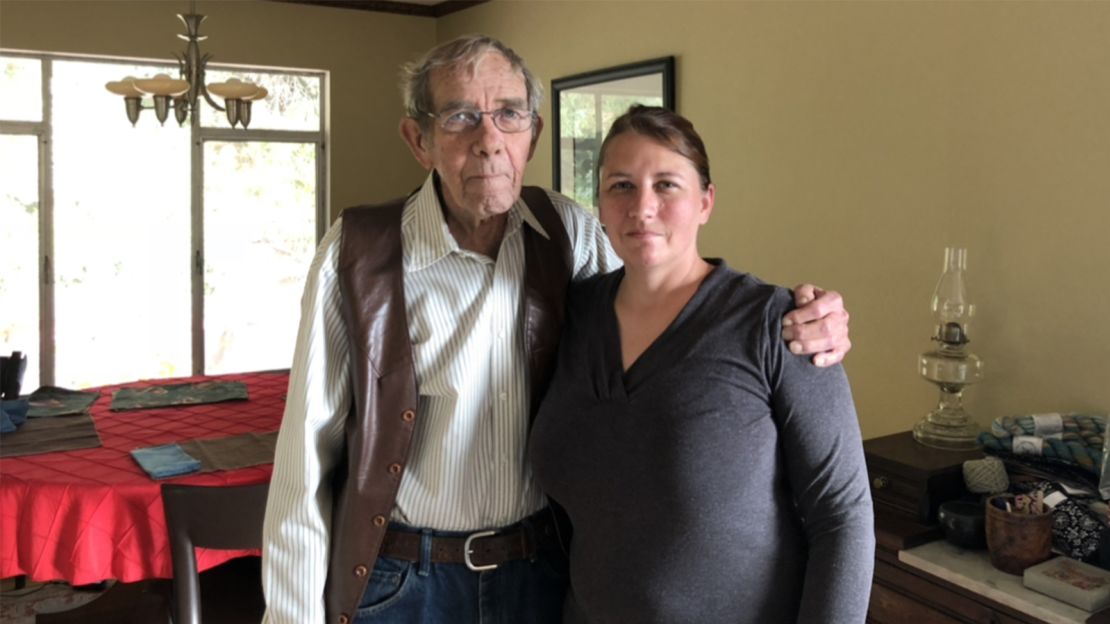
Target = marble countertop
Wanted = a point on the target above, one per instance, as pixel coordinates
(972, 570)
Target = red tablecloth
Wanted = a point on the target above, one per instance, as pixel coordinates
(92, 514)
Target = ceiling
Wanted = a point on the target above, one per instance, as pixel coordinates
(425, 8)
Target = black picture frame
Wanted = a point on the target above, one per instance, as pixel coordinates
(645, 82)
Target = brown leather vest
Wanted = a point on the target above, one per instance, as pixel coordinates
(383, 412)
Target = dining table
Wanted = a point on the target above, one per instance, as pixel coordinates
(88, 515)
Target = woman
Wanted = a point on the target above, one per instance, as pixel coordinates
(709, 474)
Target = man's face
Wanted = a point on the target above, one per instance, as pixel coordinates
(481, 169)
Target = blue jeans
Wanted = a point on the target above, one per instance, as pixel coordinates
(422, 592)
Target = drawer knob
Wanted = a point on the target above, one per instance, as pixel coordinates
(880, 482)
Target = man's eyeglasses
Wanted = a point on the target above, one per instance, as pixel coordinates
(507, 119)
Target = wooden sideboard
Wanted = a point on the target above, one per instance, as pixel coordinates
(907, 480)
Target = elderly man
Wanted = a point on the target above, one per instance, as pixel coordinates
(401, 491)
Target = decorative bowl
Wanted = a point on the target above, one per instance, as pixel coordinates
(963, 523)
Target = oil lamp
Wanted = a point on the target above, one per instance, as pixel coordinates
(950, 365)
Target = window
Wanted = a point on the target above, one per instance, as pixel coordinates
(274, 182)
(156, 250)
(19, 212)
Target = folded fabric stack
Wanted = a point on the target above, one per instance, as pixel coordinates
(1074, 438)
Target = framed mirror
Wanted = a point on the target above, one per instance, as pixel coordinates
(585, 105)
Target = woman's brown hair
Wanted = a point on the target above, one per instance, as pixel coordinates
(668, 128)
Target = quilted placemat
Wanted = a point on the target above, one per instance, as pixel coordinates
(178, 394)
(45, 435)
(233, 452)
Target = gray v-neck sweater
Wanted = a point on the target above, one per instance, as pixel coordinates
(719, 479)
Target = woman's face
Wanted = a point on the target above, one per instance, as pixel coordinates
(651, 203)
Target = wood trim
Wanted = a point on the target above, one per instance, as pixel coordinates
(386, 6)
(451, 6)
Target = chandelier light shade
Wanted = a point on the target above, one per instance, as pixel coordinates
(183, 94)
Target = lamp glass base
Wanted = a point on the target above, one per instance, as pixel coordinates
(945, 432)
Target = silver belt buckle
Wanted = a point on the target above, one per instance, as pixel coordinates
(467, 551)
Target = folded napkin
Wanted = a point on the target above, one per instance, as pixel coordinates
(12, 414)
(168, 460)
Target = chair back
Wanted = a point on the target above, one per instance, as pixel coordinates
(12, 368)
(221, 517)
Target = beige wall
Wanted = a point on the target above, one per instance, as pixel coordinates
(362, 50)
(852, 141)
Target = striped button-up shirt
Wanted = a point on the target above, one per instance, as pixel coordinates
(467, 468)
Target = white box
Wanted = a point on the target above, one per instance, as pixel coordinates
(1070, 581)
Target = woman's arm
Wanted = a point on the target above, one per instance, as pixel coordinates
(823, 456)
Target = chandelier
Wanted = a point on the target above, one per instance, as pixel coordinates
(183, 94)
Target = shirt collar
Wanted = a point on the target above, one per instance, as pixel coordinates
(424, 234)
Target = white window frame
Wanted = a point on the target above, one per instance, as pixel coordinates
(198, 137)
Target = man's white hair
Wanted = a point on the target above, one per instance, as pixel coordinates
(465, 53)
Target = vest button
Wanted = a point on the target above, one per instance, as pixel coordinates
(394, 468)
(379, 521)
(408, 415)
(343, 618)
(360, 571)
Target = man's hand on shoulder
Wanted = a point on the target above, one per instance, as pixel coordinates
(818, 325)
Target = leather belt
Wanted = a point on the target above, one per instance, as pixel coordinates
(482, 550)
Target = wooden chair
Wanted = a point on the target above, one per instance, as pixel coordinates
(215, 517)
